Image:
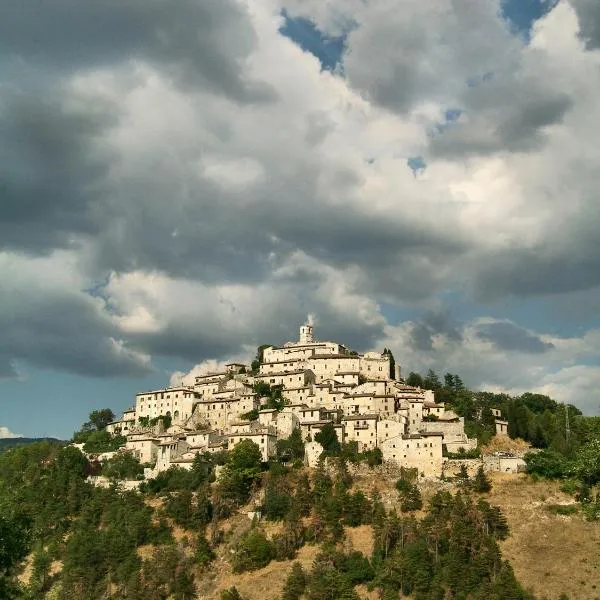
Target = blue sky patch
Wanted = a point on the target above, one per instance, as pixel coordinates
(522, 14)
(303, 32)
(416, 164)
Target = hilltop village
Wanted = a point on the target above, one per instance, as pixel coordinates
(362, 396)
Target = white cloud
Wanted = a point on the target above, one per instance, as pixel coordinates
(5, 432)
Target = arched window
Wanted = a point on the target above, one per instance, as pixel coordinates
(176, 414)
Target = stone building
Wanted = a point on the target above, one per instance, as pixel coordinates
(321, 383)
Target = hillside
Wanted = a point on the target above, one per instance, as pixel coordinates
(6, 443)
(550, 553)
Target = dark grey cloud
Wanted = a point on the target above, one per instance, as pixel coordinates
(51, 171)
(209, 328)
(200, 43)
(588, 13)
(510, 337)
(567, 261)
(502, 115)
(48, 326)
(431, 324)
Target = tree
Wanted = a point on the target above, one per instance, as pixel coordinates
(122, 466)
(259, 357)
(240, 472)
(291, 447)
(586, 465)
(295, 583)
(548, 464)
(449, 381)
(14, 538)
(253, 551)
(245, 457)
(99, 419)
(410, 497)
(431, 381)
(388, 352)
(327, 437)
(203, 553)
(414, 379)
(481, 482)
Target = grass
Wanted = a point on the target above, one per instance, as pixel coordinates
(545, 548)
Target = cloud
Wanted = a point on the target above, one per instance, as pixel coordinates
(432, 324)
(5, 432)
(204, 368)
(48, 322)
(508, 336)
(210, 185)
(588, 14)
(198, 44)
(502, 356)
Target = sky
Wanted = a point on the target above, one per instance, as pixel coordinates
(181, 182)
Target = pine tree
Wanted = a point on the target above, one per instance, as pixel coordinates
(481, 482)
(295, 583)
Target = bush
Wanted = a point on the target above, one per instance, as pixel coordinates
(570, 486)
(252, 552)
(231, 594)
(563, 509)
(548, 464)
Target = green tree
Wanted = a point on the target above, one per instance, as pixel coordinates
(253, 551)
(99, 419)
(295, 583)
(414, 379)
(327, 437)
(122, 466)
(240, 472)
(203, 552)
(481, 482)
(291, 447)
(388, 352)
(14, 541)
(410, 497)
(431, 381)
(548, 464)
(586, 465)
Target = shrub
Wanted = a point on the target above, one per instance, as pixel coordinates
(563, 509)
(231, 594)
(547, 464)
(253, 551)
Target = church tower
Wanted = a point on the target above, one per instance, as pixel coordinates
(306, 334)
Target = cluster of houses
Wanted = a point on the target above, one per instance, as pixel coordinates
(361, 395)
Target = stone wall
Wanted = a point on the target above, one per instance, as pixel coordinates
(452, 466)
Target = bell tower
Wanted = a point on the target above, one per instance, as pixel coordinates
(306, 334)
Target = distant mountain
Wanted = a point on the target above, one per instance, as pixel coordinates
(7, 443)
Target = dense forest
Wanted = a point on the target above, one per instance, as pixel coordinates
(162, 540)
